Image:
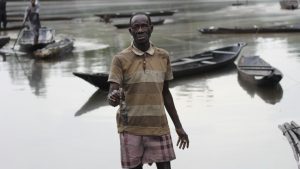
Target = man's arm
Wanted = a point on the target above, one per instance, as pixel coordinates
(183, 140)
(114, 94)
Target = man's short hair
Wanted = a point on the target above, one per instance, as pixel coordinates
(140, 13)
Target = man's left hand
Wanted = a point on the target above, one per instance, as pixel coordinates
(183, 139)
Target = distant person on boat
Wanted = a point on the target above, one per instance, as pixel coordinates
(3, 20)
(32, 15)
(139, 83)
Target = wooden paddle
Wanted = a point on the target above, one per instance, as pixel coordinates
(20, 31)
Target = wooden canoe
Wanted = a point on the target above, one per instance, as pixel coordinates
(4, 40)
(126, 25)
(255, 70)
(26, 42)
(129, 14)
(56, 49)
(289, 4)
(196, 64)
(254, 29)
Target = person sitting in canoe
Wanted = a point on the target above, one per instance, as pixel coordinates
(32, 15)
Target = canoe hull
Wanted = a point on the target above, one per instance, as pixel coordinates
(128, 15)
(289, 4)
(255, 70)
(207, 61)
(56, 49)
(196, 64)
(4, 40)
(274, 29)
(126, 25)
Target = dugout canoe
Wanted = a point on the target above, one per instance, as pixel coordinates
(255, 70)
(4, 40)
(26, 41)
(56, 49)
(196, 64)
(289, 4)
(129, 14)
(126, 25)
(254, 29)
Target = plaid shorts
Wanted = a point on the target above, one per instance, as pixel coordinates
(137, 150)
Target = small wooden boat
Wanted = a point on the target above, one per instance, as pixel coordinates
(45, 18)
(237, 3)
(129, 14)
(56, 49)
(96, 79)
(186, 66)
(254, 29)
(126, 25)
(289, 4)
(255, 70)
(26, 41)
(4, 40)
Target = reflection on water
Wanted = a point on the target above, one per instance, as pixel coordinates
(270, 94)
(3, 57)
(82, 45)
(97, 100)
(35, 77)
(197, 87)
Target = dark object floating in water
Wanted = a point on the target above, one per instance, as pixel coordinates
(255, 70)
(254, 29)
(4, 40)
(289, 4)
(129, 14)
(56, 49)
(126, 25)
(199, 63)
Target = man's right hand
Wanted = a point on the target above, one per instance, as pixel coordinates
(114, 98)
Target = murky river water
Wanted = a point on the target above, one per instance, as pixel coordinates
(51, 119)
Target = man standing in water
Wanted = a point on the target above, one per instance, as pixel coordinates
(3, 20)
(32, 15)
(139, 83)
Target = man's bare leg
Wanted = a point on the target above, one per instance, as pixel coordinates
(163, 165)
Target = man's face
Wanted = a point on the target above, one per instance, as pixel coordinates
(140, 29)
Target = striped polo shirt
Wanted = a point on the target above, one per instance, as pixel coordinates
(142, 75)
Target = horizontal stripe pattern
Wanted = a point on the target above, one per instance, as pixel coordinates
(145, 76)
(143, 85)
(146, 110)
(140, 99)
(144, 88)
(144, 121)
